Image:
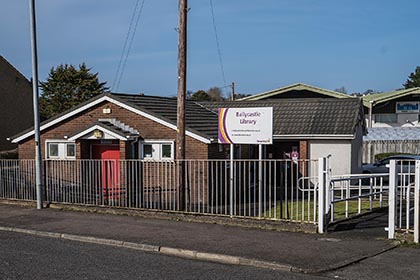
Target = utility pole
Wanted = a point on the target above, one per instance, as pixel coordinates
(182, 88)
(232, 97)
(38, 159)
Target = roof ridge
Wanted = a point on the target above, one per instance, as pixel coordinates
(141, 95)
(204, 107)
(288, 87)
(385, 96)
(282, 100)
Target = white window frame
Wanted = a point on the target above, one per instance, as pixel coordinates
(157, 146)
(62, 149)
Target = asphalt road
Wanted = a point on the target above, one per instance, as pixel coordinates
(29, 257)
(400, 263)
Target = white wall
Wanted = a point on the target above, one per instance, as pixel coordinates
(403, 120)
(357, 152)
(340, 151)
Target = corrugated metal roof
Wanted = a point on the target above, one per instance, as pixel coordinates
(294, 87)
(378, 98)
(392, 134)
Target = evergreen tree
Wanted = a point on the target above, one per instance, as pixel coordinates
(414, 79)
(200, 95)
(212, 94)
(67, 87)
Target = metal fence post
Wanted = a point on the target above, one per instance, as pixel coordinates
(329, 192)
(321, 194)
(416, 202)
(392, 198)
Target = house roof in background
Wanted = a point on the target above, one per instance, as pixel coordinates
(4, 61)
(298, 87)
(392, 134)
(378, 98)
(309, 118)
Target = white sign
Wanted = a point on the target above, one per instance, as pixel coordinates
(246, 125)
(407, 107)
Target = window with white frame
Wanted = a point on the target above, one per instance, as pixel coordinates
(60, 149)
(157, 150)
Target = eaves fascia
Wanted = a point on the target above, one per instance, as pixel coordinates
(315, 137)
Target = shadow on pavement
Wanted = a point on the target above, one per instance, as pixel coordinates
(370, 225)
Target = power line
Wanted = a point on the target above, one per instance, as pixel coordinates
(125, 44)
(129, 40)
(217, 43)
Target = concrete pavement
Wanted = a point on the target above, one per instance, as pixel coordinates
(301, 252)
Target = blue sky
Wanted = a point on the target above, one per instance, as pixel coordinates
(265, 44)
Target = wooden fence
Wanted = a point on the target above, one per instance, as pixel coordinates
(372, 148)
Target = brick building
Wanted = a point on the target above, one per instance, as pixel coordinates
(16, 110)
(117, 128)
(123, 126)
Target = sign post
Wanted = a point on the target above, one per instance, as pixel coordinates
(246, 126)
(260, 179)
(232, 155)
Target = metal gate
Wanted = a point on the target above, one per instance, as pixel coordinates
(404, 182)
(346, 196)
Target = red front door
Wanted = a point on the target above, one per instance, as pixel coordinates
(109, 166)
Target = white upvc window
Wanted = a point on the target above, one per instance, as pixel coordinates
(157, 150)
(59, 149)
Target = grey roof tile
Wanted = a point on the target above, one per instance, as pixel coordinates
(307, 116)
(302, 117)
(198, 119)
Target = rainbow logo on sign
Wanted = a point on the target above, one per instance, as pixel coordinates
(222, 131)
